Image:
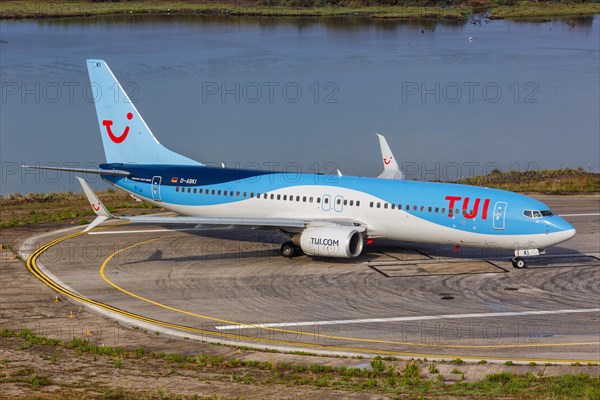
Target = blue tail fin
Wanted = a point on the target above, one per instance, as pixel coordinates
(125, 135)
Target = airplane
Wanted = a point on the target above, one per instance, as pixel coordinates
(322, 215)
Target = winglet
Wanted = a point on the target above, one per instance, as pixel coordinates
(390, 166)
(101, 211)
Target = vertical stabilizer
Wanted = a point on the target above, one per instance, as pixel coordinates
(125, 136)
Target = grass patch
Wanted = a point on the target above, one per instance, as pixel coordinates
(84, 346)
(527, 10)
(386, 381)
(39, 380)
(579, 386)
(554, 181)
(377, 364)
(29, 337)
(27, 209)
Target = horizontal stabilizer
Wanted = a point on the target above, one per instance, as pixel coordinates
(97, 171)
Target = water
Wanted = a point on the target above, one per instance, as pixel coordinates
(452, 99)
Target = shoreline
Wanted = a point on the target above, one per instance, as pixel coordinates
(523, 11)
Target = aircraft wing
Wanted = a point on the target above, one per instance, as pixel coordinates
(390, 166)
(290, 224)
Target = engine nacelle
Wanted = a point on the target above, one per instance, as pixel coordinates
(340, 242)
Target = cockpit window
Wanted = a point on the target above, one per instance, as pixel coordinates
(533, 214)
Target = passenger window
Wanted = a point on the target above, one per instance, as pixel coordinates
(200, 191)
(437, 209)
(297, 198)
(291, 198)
(272, 196)
(285, 196)
(326, 200)
(278, 197)
(444, 210)
(385, 205)
(357, 203)
(407, 207)
(345, 202)
(194, 190)
(177, 188)
(304, 199)
(238, 194)
(213, 191)
(231, 193)
(422, 208)
(457, 211)
(378, 205)
(414, 208)
(399, 206)
(393, 206)
(429, 209)
(310, 200)
(338, 201)
(351, 202)
(189, 190)
(318, 200)
(245, 194)
(251, 194)
(371, 204)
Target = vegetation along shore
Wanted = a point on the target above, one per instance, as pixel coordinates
(391, 9)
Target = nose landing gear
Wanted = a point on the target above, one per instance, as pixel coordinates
(519, 263)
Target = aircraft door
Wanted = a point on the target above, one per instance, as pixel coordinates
(326, 202)
(499, 215)
(156, 188)
(338, 203)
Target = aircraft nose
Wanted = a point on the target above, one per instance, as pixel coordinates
(564, 229)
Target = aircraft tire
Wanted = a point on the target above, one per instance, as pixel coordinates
(288, 249)
(519, 263)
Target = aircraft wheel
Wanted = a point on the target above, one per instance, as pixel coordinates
(288, 249)
(519, 263)
(298, 251)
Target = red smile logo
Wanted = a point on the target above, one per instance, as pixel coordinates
(117, 139)
(96, 207)
(386, 161)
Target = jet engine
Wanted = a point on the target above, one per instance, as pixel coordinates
(340, 242)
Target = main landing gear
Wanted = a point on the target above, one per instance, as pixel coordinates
(289, 250)
(519, 263)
